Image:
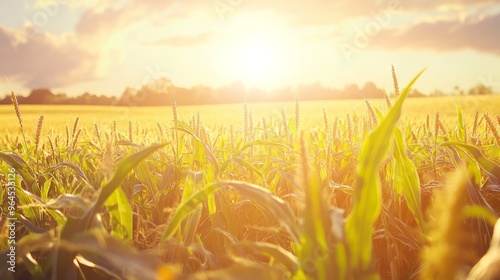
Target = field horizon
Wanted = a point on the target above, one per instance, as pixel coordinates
(148, 116)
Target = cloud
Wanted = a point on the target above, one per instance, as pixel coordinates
(181, 41)
(99, 23)
(480, 35)
(102, 20)
(327, 12)
(39, 59)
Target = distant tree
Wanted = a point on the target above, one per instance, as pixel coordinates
(416, 93)
(161, 92)
(352, 91)
(437, 92)
(313, 91)
(40, 96)
(370, 90)
(480, 89)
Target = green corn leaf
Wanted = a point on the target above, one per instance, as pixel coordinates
(262, 143)
(120, 213)
(491, 168)
(122, 169)
(460, 125)
(406, 177)
(63, 263)
(249, 166)
(262, 196)
(319, 228)
(206, 150)
(71, 165)
(193, 184)
(20, 165)
(368, 197)
(279, 208)
(279, 254)
(185, 209)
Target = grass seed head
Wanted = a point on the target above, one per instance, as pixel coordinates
(284, 124)
(476, 124)
(387, 101)
(436, 124)
(198, 123)
(493, 128)
(38, 131)
(97, 133)
(395, 81)
(13, 98)
(75, 140)
(160, 130)
(373, 117)
(334, 128)
(52, 149)
(427, 122)
(75, 126)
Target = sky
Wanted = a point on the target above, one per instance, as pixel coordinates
(104, 46)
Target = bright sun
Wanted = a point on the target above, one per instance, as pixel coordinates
(256, 59)
(256, 63)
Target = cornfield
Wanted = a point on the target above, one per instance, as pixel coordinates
(365, 196)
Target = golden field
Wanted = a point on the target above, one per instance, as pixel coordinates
(355, 189)
(220, 115)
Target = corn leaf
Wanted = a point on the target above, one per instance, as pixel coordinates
(406, 177)
(368, 197)
(120, 213)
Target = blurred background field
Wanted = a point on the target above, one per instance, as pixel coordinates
(416, 109)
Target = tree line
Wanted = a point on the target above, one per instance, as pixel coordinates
(162, 91)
